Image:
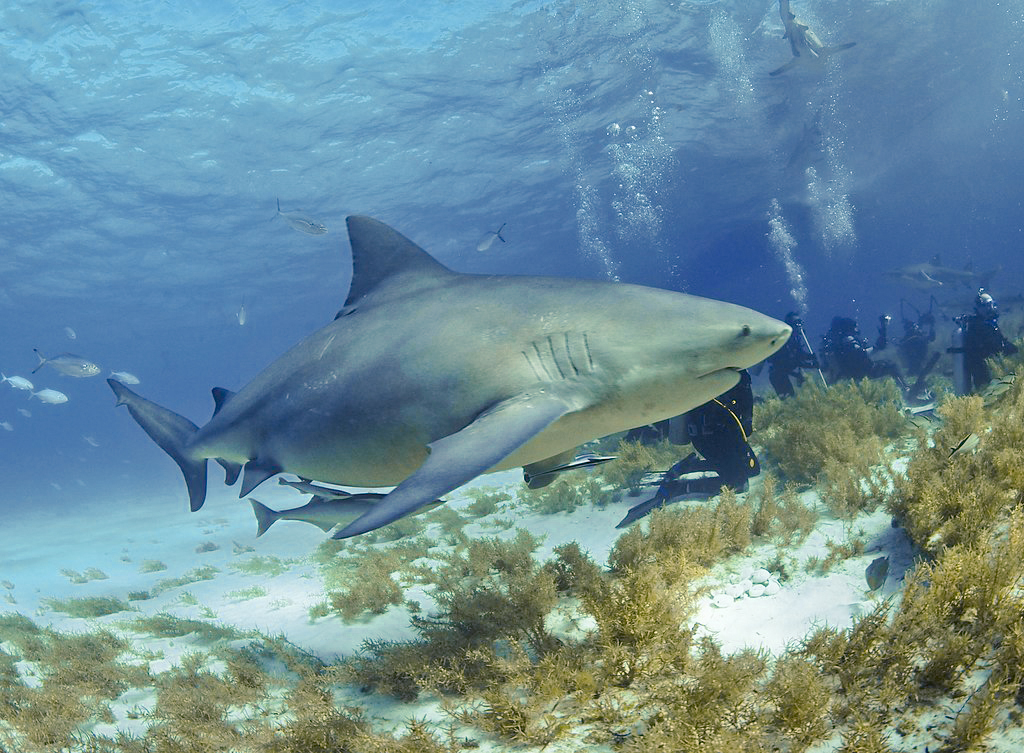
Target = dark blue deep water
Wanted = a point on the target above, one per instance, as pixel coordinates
(143, 146)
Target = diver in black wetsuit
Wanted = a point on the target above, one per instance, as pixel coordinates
(981, 339)
(849, 356)
(785, 363)
(917, 335)
(718, 430)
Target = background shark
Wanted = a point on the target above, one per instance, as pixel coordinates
(428, 378)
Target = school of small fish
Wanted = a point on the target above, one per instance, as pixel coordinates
(66, 364)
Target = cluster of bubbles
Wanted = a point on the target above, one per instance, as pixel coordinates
(782, 244)
(640, 158)
(832, 212)
(588, 222)
(726, 45)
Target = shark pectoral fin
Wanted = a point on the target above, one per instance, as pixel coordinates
(462, 456)
(255, 472)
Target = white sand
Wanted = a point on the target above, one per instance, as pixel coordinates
(117, 538)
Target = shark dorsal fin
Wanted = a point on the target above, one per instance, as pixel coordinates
(220, 396)
(381, 254)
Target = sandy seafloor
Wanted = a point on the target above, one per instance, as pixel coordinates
(118, 536)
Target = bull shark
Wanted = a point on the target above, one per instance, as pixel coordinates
(806, 46)
(931, 275)
(428, 378)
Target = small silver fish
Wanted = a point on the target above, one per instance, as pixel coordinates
(67, 364)
(324, 513)
(18, 383)
(124, 377)
(25, 412)
(242, 316)
(70, 333)
(967, 444)
(876, 573)
(6, 426)
(997, 388)
(90, 440)
(53, 397)
(488, 240)
(301, 223)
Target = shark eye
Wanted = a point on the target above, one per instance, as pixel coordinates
(745, 331)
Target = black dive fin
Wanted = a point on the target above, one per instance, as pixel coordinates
(255, 472)
(172, 434)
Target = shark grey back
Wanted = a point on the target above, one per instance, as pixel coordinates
(428, 378)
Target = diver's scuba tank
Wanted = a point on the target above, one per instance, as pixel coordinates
(960, 384)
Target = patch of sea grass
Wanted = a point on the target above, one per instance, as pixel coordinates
(845, 426)
(87, 606)
(634, 459)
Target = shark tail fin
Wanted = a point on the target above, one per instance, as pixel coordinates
(172, 433)
(265, 517)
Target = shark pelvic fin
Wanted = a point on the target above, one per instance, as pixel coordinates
(255, 472)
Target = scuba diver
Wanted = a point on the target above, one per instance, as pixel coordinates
(849, 357)
(917, 334)
(786, 363)
(718, 430)
(976, 338)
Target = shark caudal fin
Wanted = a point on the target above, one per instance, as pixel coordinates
(172, 433)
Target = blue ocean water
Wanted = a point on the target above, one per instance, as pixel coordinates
(143, 147)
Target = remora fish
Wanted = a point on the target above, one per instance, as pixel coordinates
(323, 512)
(68, 364)
(53, 397)
(803, 42)
(308, 487)
(428, 378)
(18, 383)
(301, 223)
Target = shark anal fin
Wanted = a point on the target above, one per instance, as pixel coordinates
(255, 472)
(231, 471)
(462, 456)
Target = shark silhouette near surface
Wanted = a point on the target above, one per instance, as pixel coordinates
(428, 378)
(803, 42)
